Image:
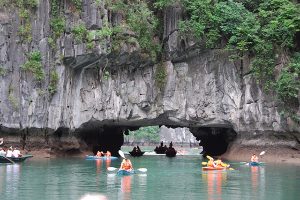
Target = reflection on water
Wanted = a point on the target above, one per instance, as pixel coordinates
(126, 187)
(176, 178)
(258, 180)
(12, 179)
(214, 180)
(254, 177)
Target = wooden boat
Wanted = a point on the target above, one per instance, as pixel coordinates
(160, 150)
(4, 159)
(136, 153)
(171, 153)
(100, 158)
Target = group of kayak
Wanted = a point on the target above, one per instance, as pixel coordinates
(215, 165)
(126, 167)
(219, 165)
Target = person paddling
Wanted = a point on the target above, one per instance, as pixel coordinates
(219, 163)
(126, 165)
(211, 162)
(100, 153)
(254, 158)
(108, 154)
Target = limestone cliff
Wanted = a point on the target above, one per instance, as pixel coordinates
(204, 90)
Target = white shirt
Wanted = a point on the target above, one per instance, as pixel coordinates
(2, 153)
(16, 153)
(8, 153)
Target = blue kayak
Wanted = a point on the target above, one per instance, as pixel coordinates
(125, 172)
(254, 163)
(100, 158)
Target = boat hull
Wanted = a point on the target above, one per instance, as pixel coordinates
(254, 164)
(100, 158)
(16, 160)
(136, 154)
(125, 172)
(213, 168)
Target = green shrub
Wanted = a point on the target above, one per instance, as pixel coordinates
(288, 84)
(34, 65)
(53, 82)
(80, 33)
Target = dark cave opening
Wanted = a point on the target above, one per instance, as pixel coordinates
(104, 138)
(214, 140)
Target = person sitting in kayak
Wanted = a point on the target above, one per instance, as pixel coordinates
(211, 162)
(219, 163)
(108, 154)
(254, 158)
(100, 153)
(126, 165)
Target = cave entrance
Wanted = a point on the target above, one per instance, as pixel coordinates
(214, 140)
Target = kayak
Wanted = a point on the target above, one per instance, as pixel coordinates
(100, 158)
(255, 163)
(125, 172)
(213, 168)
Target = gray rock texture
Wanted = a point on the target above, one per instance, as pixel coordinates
(203, 87)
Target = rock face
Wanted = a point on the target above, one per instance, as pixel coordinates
(178, 136)
(203, 88)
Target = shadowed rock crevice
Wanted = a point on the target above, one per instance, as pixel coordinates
(215, 140)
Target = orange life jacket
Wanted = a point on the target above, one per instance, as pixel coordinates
(126, 166)
(210, 163)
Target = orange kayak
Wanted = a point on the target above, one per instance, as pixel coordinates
(213, 168)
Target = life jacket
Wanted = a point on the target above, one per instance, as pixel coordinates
(126, 166)
(210, 163)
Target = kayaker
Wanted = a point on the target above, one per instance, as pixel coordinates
(108, 154)
(211, 162)
(219, 163)
(100, 153)
(126, 164)
(254, 158)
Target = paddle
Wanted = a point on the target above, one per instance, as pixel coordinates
(121, 154)
(262, 153)
(139, 169)
(12, 162)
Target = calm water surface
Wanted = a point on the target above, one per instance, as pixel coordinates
(167, 178)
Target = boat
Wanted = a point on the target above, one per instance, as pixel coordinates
(160, 150)
(125, 172)
(4, 159)
(87, 157)
(171, 153)
(213, 168)
(136, 153)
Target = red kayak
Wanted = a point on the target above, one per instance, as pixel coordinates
(213, 168)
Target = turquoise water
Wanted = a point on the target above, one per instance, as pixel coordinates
(167, 178)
